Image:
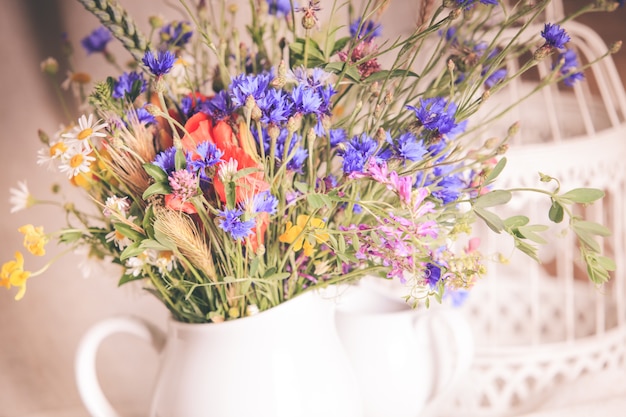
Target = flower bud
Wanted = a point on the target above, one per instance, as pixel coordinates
(502, 149)
(43, 137)
(281, 78)
(451, 65)
(381, 136)
(252, 309)
(615, 47)
(156, 22)
(485, 96)
(273, 132)
(233, 312)
(308, 21)
(233, 8)
(542, 52)
(491, 143)
(50, 66)
(513, 129)
(454, 14)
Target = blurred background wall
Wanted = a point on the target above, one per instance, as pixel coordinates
(39, 334)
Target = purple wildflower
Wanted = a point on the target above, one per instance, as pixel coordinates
(432, 274)
(367, 30)
(231, 222)
(280, 7)
(184, 184)
(276, 107)
(407, 146)
(357, 153)
(435, 114)
(218, 107)
(97, 40)
(159, 64)
(337, 136)
(166, 160)
(555, 36)
(495, 78)
(143, 116)
(206, 156)
(176, 34)
(129, 84)
(244, 85)
(569, 67)
(467, 4)
(264, 202)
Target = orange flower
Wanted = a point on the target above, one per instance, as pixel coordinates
(34, 239)
(176, 203)
(201, 129)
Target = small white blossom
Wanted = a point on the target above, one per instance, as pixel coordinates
(115, 204)
(119, 239)
(76, 161)
(21, 198)
(88, 129)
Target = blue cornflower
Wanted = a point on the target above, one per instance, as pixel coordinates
(209, 155)
(264, 202)
(435, 114)
(231, 222)
(432, 274)
(407, 146)
(337, 136)
(144, 116)
(218, 107)
(357, 153)
(555, 36)
(449, 187)
(306, 99)
(97, 40)
(467, 4)
(296, 153)
(159, 64)
(368, 30)
(129, 84)
(280, 7)
(495, 78)
(166, 160)
(569, 68)
(176, 34)
(243, 86)
(276, 106)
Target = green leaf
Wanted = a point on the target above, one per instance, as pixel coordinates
(583, 195)
(278, 277)
(318, 200)
(496, 170)
(155, 172)
(516, 221)
(146, 223)
(529, 232)
(556, 212)
(69, 237)
(351, 71)
(128, 231)
(303, 187)
(384, 74)
(527, 248)
(492, 220)
(128, 278)
(493, 198)
(587, 239)
(152, 244)
(339, 44)
(131, 250)
(591, 227)
(180, 162)
(156, 188)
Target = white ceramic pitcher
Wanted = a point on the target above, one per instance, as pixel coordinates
(283, 362)
(403, 358)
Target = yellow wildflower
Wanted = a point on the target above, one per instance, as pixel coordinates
(34, 239)
(13, 274)
(295, 234)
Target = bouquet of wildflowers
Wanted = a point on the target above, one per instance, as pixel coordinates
(233, 169)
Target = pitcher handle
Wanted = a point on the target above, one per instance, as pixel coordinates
(85, 364)
(459, 336)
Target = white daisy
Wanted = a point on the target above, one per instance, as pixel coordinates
(165, 261)
(51, 154)
(21, 198)
(76, 161)
(134, 265)
(88, 129)
(119, 239)
(118, 205)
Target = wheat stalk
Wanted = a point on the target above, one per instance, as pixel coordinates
(121, 25)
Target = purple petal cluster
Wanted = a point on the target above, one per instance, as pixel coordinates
(467, 4)
(218, 107)
(366, 30)
(280, 7)
(244, 86)
(97, 40)
(206, 156)
(569, 67)
(166, 160)
(264, 203)
(407, 147)
(435, 114)
(160, 63)
(129, 84)
(555, 36)
(230, 221)
(357, 153)
(176, 34)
